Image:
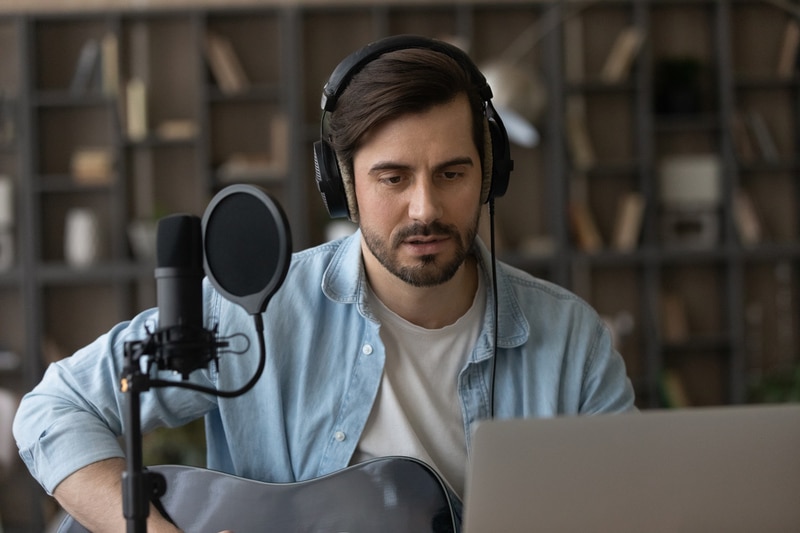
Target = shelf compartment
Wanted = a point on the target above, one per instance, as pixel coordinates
(249, 142)
(55, 210)
(58, 47)
(693, 304)
(254, 39)
(65, 130)
(616, 293)
(64, 333)
(756, 52)
(163, 179)
(12, 323)
(703, 377)
(775, 196)
(771, 315)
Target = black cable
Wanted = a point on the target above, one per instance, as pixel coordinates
(494, 300)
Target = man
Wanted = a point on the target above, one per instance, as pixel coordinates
(383, 343)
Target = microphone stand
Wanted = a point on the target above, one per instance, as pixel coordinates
(139, 485)
(177, 348)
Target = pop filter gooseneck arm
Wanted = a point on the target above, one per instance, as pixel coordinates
(246, 255)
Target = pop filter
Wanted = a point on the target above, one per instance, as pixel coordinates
(247, 245)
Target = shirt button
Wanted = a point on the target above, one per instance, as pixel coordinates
(366, 349)
(339, 436)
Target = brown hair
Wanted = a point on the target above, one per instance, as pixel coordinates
(405, 81)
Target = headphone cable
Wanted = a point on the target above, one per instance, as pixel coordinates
(494, 302)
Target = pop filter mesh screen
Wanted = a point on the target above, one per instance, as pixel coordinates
(242, 243)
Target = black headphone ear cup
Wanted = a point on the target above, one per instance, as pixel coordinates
(502, 164)
(329, 180)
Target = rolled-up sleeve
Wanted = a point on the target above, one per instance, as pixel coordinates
(75, 415)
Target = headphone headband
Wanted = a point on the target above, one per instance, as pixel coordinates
(352, 64)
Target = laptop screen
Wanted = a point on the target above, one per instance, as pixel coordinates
(692, 470)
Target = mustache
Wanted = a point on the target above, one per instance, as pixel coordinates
(424, 230)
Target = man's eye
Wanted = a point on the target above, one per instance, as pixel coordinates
(452, 175)
(391, 180)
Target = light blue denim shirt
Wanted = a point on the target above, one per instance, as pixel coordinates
(324, 364)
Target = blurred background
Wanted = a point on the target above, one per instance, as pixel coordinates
(656, 170)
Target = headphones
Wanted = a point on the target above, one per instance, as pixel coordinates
(328, 175)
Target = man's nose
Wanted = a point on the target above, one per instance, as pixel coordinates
(424, 203)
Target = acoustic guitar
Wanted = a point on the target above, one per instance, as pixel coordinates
(386, 495)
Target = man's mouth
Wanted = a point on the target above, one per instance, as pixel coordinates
(425, 244)
(423, 239)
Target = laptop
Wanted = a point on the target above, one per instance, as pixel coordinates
(720, 469)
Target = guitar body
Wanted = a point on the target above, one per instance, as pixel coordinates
(389, 494)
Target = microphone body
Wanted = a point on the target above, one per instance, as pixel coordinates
(179, 295)
(182, 341)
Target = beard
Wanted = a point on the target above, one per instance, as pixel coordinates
(429, 270)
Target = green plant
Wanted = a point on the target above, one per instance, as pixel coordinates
(778, 387)
(185, 445)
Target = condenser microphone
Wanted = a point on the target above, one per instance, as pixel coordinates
(247, 245)
(183, 342)
(179, 271)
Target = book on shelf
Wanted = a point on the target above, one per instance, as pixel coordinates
(92, 166)
(624, 50)
(674, 320)
(7, 211)
(176, 130)
(742, 138)
(132, 96)
(270, 165)
(7, 249)
(787, 58)
(109, 53)
(248, 167)
(136, 125)
(574, 61)
(7, 118)
(628, 223)
(584, 227)
(225, 65)
(746, 218)
(578, 138)
(763, 137)
(279, 142)
(86, 67)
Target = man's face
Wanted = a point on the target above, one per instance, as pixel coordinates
(418, 184)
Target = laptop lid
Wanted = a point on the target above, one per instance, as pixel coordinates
(693, 470)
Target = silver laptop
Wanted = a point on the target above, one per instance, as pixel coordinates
(723, 469)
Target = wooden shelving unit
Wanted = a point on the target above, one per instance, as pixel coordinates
(738, 302)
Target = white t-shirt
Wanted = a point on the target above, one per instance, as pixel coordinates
(418, 412)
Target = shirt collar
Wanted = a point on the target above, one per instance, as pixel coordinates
(344, 281)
